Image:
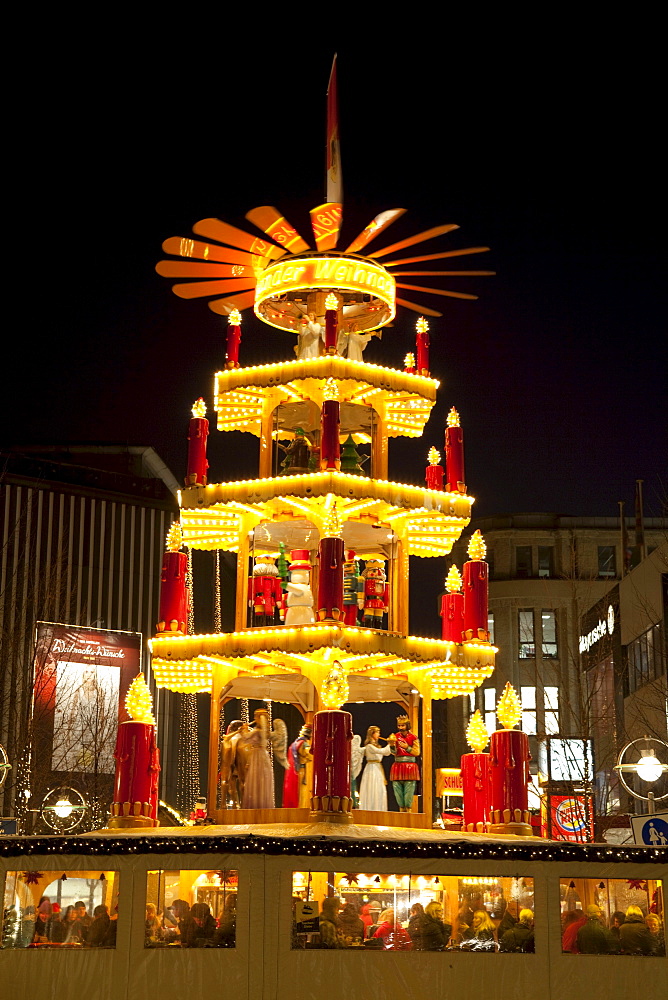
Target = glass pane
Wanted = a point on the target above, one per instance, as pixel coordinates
(527, 648)
(490, 699)
(602, 916)
(60, 910)
(545, 560)
(528, 697)
(549, 626)
(490, 626)
(523, 561)
(191, 908)
(529, 723)
(606, 561)
(412, 913)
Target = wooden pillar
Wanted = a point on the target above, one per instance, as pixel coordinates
(379, 447)
(241, 610)
(427, 765)
(399, 595)
(212, 792)
(266, 441)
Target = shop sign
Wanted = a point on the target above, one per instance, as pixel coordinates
(605, 627)
(568, 816)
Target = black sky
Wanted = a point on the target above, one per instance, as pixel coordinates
(550, 157)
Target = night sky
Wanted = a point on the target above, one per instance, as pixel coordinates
(551, 160)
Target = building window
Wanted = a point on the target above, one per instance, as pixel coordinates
(551, 706)
(527, 642)
(191, 908)
(369, 912)
(528, 699)
(607, 565)
(611, 916)
(545, 560)
(489, 705)
(523, 562)
(490, 625)
(549, 623)
(645, 658)
(60, 910)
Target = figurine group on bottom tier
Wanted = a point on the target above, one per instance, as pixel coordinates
(404, 773)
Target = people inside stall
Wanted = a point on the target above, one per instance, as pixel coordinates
(205, 925)
(573, 921)
(415, 923)
(634, 935)
(330, 925)
(391, 933)
(656, 933)
(520, 936)
(225, 936)
(186, 924)
(480, 935)
(351, 924)
(435, 933)
(102, 931)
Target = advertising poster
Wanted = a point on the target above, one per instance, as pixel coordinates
(568, 818)
(81, 678)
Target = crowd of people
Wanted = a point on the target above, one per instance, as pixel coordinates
(425, 929)
(630, 933)
(49, 924)
(186, 926)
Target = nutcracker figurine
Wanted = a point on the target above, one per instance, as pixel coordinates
(300, 595)
(375, 593)
(265, 593)
(404, 773)
(353, 589)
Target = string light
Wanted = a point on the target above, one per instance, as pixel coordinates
(199, 408)
(217, 611)
(453, 418)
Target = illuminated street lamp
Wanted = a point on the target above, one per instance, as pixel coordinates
(649, 768)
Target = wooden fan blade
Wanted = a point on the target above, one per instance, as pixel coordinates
(215, 229)
(192, 269)
(196, 289)
(325, 223)
(423, 310)
(444, 274)
(428, 234)
(270, 221)
(184, 247)
(437, 291)
(375, 228)
(434, 256)
(225, 306)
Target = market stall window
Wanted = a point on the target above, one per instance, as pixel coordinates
(612, 916)
(412, 912)
(191, 908)
(63, 909)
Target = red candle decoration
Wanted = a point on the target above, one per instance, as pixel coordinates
(332, 735)
(476, 583)
(434, 471)
(475, 777)
(233, 339)
(454, 454)
(173, 615)
(330, 575)
(509, 771)
(422, 346)
(330, 446)
(197, 435)
(409, 364)
(137, 763)
(452, 608)
(331, 323)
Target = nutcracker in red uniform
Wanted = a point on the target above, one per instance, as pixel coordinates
(233, 339)
(173, 614)
(375, 593)
(404, 773)
(422, 346)
(353, 589)
(475, 776)
(332, 736)
(265, 593)
(198, 432)
(137, 763)
(509, 771)
(452, 607)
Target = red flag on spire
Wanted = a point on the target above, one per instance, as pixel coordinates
(334, 178)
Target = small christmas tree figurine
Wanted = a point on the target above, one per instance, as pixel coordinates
(351, 458)
(509, 708)
(138, 701)
(477, 736)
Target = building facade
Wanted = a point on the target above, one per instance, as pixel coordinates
(83, 531)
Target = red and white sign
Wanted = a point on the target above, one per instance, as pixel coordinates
(568, 818)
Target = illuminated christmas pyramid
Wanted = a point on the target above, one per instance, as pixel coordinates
(303, 410)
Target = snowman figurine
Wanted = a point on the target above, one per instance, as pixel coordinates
(300, 597)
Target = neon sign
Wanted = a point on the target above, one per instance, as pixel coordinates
(605, 627)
